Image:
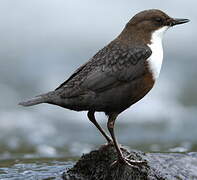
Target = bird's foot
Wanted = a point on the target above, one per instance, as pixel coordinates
(131, 163)
(137, 162)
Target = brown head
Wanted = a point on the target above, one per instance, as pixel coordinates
(143, 24)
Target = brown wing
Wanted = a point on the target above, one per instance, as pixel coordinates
(110, 66)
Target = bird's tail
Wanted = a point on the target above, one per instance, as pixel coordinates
(44, 98)
(33, 101)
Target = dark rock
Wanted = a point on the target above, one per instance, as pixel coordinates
(160, 166)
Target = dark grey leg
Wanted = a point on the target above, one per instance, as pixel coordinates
(121, 158)
(110, 125)
(93, 120)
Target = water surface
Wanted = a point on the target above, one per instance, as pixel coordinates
(34, 169)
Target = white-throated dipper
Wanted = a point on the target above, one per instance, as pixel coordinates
(119, 75)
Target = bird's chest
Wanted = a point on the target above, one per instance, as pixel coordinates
(155, 60)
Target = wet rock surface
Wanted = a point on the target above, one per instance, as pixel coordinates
(96, 165)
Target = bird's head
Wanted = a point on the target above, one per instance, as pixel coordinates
(145, 23)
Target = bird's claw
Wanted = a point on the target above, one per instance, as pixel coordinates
(134, 162)
(131, 163)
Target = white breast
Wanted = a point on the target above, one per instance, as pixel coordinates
(156, 58)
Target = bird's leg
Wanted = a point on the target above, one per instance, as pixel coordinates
(121, 158)
(92, 118)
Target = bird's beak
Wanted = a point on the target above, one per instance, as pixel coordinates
(176, 21)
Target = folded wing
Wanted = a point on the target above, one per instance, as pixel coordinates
(110, 67)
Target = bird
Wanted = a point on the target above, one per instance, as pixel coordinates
(117, 76)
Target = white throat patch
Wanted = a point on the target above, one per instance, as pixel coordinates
(156, 58)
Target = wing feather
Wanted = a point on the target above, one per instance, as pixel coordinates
(111, 66)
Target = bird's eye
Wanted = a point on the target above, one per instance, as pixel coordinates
(158, 19)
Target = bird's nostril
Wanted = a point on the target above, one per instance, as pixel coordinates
(176, 21)
(169, 22)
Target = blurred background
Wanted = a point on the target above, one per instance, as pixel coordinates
(43, 41)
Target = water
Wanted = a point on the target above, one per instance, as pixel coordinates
(44, 158)
(34, 169)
